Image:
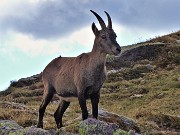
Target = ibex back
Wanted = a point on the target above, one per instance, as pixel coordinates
(79, 77)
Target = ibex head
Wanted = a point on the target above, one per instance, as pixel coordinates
(105, 38)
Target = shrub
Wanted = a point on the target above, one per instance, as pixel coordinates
(6, 92)
(130, 74)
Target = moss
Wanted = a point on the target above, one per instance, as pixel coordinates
(83, 130)
(120, 132)
(18, 132)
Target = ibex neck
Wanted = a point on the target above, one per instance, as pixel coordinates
(97, 57)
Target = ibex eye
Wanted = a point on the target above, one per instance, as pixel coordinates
(103, 37)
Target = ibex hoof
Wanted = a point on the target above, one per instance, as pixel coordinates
(40, 125)
(59, 126)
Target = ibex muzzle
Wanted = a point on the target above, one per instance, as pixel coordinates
(79, 77)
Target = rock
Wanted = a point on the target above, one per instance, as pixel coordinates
(18, 106)
(14, 105)
(178, 79)
(136, 96)
(107, 124)
(38, 131)
(92, 126)
(150, 67)
(10, 127)
(129, 57)
(123, 122)
(21, 107)
(27, 81)
(178, 41)
(112, 71)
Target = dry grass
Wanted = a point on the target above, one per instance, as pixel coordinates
(137, 92)
(159, 90)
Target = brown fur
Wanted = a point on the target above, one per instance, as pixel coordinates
(68, 75)
(79, 77)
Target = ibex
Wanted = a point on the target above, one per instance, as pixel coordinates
(79, 77)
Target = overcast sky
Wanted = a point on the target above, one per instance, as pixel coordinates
(33, 32)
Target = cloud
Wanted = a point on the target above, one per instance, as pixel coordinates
(46, 19)
(57, 18)
(72, 45)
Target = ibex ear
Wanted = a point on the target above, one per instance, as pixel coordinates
(94, 29)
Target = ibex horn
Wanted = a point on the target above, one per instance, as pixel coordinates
(101, 22)
(109, 21)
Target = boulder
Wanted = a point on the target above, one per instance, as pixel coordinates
(10, 127)
(93, 126)
(38, 131)
(123, 122)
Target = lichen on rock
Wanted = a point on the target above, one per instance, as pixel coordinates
(93, 126)
(10, 127)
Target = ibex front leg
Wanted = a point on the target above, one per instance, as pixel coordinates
(94, 102)
(82, 103)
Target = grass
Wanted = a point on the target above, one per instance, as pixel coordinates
(160, 90)
(150, 96)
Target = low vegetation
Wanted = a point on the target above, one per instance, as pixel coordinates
(148, 91)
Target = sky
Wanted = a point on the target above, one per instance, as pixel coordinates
(33, 32)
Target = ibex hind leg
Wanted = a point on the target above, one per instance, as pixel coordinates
(46, 99)
(63, 105)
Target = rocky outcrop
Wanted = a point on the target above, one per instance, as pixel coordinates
(18, 106)
(142, 52)
(92, 126)
(8, 127)
(14, 105)
(26, 81)
(106, 120)
(107, 124)
(96, 127)
(123, 122)
(38, 131)
(89, 126)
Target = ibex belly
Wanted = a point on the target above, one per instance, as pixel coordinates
(66, 89)
(68, 95)
(69, 99)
